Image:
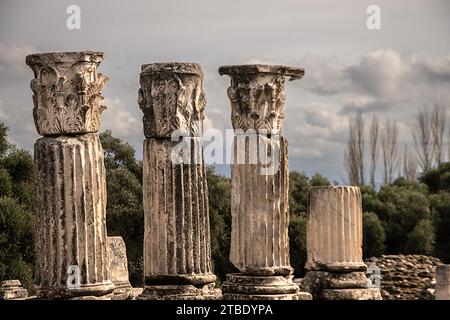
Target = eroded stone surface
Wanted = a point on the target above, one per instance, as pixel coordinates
(260, 217)
(12, 290)
(242, 287)
(335, 266)
(177, 250)
(67, 92)
(442, 282)
(352, 294)
(406, 277)
(119, 268)
(335, 229)
(257, 95)
(260, 185)
(71, 245)
(259, 206)
(172, 99)
(70, 216)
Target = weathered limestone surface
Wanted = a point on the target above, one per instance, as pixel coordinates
(177, 253)
(71, 245)
(442, 282)
(172, 99)
(260, 215)
(335, 229)
(12, 290)
(336, 268)
(119, 269)
(67, 92)
(260, 186)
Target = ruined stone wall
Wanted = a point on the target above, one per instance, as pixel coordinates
(406, 277)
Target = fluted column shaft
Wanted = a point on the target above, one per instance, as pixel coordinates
(177, 237)
(335, 229)
(259, 204)
(70, 188)
(177, 233)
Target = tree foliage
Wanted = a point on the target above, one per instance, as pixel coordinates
(373, 235)
(16, 213)
(220, 220)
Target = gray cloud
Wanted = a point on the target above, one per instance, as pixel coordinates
(390, 72)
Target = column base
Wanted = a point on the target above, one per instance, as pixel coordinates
(122, 291)
(352, 294)
(108, 296)
(245, 287)
(84, 292)
(180, 292)
(325, 285)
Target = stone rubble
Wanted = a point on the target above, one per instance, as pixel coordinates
(406, 277)
(12, 290)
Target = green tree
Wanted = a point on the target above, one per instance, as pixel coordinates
(437, 179)
(3, 139)
(400, 207)
(373, 235)
(421, 239)
(120, 154)
(20, 167)
(317, 180)
(297, 243)
(440, 206)
(219, 188)
(16, 242)
(6, 184)
(16, 212)
(298, 192)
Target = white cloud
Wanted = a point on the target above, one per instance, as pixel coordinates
(305, 153)
(119, 120)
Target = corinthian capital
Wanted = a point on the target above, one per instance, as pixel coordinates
(172, 99)
(67, 92)
(257, 95)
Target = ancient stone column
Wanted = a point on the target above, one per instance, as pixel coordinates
(177, 252)
(260, 185)
(119, 269)
(71, 246)
(442, 282)
(335, 265)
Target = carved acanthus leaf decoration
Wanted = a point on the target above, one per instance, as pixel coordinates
(172, 100)
(67, 93)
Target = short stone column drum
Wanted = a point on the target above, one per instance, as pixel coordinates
(336, 270)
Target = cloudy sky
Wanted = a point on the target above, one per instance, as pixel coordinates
(389, 72)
